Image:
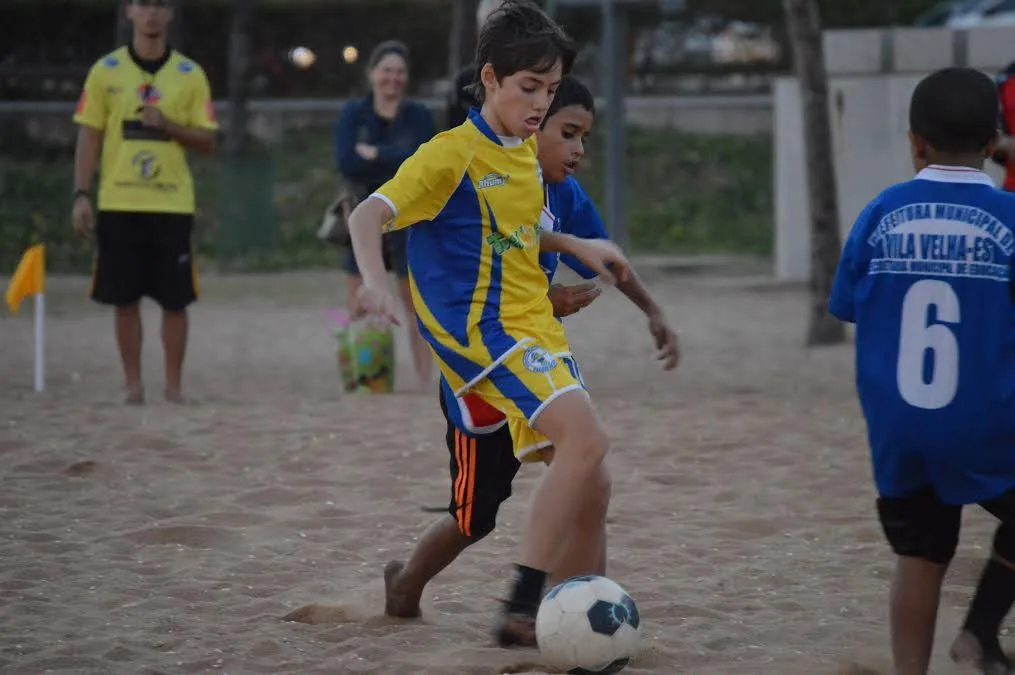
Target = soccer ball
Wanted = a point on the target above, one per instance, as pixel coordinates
(588, 626)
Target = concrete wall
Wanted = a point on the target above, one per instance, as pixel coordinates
(872, 74)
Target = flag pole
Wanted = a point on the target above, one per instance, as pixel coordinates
(40, 342)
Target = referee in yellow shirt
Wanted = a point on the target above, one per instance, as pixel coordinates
(142, 107)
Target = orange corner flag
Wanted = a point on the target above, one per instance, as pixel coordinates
(29, 278)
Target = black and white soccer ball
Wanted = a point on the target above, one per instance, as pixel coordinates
(588, 626)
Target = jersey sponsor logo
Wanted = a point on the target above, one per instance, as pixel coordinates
(185, 67)
(948, 240)
(523, 237)
(492, 180)
(148, 168)
(148, 94)
(146, 164)
(538, 360)
(110, 62)
(133, 130)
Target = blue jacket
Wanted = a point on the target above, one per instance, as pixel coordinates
(395, 140)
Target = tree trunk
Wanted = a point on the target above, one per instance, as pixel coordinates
(239, 76)
(804, 26)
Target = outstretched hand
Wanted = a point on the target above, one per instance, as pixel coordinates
(603, 257)
(666, 341)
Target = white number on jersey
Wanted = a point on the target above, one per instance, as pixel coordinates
(916, 336)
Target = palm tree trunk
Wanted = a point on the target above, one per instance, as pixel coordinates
(804, 24)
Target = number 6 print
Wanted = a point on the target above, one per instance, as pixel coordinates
(916, 336)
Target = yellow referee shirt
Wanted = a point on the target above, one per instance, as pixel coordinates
(143, 169)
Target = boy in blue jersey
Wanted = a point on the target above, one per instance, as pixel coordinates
(473, 197)
(483, 462)
(926, 276)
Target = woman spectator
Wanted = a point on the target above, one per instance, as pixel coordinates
(373, 136)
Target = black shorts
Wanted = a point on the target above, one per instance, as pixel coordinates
(144, 254)
(920, 525)
(482, 470)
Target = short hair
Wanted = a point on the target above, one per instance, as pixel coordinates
(571, 91)
(519, 36)
(385, 48)
(955, 110)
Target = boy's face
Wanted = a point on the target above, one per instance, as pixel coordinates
(151, 17)
(518, 102)
(562, 142)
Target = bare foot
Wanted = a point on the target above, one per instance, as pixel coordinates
(397, 604)
(176, 396)
(317, 615)
(967, 650)
(135, 396)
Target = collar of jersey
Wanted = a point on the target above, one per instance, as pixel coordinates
(154, 64)
(954, 174)
(481, 124)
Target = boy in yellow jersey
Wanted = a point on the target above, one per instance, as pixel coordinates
(474, 197)
(483, 463)
(142, 107)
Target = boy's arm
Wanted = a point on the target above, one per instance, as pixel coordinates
(199, 130)
(852, 266)
(636, 292)
(366, 226)
(665, 337)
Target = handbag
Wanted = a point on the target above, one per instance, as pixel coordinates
(334, 227)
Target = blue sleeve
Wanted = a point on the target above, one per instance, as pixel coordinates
(348, 161)
(852, 267)
(420, 121)
(581, 218)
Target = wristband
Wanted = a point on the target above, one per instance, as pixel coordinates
(81, 193)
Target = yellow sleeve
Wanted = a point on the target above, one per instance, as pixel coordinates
(92, 110)
(202, 111)
(426, 180)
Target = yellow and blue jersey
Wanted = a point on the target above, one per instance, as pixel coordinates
(476, 205)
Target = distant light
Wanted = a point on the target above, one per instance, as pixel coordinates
(302, 57)
(350, 54)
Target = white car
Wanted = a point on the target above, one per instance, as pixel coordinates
(985, 13)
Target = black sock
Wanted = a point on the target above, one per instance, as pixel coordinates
(994, 597)
(527, 591)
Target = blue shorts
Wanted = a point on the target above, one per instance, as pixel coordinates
(395, 259)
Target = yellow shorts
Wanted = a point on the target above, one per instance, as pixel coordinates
(522, 385)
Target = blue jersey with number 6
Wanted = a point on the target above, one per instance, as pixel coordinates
(925, 275)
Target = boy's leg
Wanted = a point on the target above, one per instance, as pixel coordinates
(979, 642)
(482, 469)
(924, 533)
(580, 445)
(174, 286)
(585, 549)
(117, 279)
